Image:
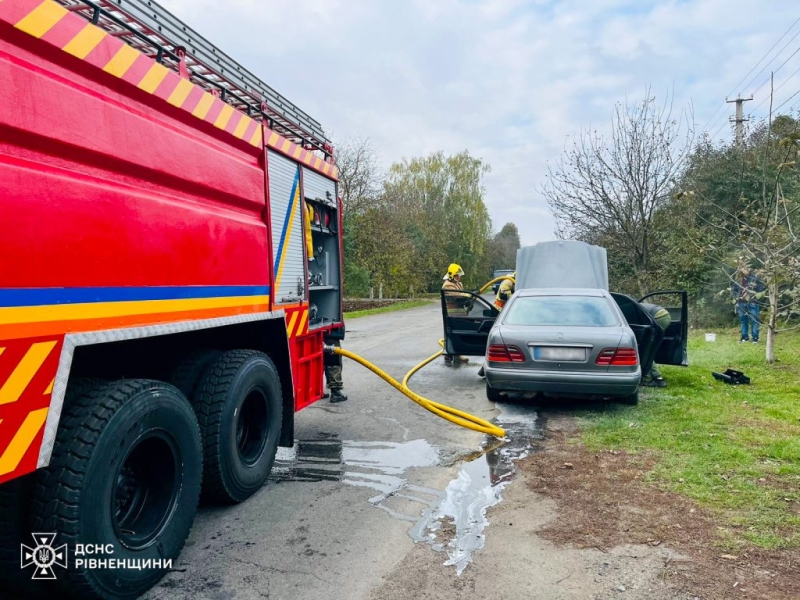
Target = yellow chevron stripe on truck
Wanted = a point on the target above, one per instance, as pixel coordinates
(109, 53)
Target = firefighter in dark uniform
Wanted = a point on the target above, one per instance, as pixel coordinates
(333, 373)
(662, 317)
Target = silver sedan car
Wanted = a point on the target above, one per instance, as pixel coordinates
(563, 333)
(572, 342)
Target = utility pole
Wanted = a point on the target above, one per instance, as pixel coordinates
(739, 120)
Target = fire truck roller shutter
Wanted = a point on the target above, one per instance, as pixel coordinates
(288, 258)
(319, 188)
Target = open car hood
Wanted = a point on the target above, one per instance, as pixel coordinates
(562, 264)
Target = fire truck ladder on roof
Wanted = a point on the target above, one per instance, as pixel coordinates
(157, 33)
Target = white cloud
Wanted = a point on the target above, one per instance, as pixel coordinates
(507, 79)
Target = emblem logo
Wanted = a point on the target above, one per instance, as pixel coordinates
(43, 556)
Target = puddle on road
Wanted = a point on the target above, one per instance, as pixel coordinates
(456, 524)
(452, 520)
(376, 465)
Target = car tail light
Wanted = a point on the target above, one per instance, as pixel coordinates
(618, 357)
(501, 353)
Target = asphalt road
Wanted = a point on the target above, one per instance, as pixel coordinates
(365, 477)
(381, 500)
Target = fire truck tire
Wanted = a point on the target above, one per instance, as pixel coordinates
(189, 369)
(15, 527)
(123, 481)
(239, 407)
(15, 531)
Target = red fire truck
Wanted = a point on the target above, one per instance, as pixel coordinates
(170, 268)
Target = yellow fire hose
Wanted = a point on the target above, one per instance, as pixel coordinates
(495, 280)
(448, 413)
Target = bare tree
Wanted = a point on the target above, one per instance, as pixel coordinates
(360, 179)
(608, 190)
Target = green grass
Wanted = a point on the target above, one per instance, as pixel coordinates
(735, 450)
(384, 309)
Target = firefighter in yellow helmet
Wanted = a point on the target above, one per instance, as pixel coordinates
(455, 301)
(505, 291)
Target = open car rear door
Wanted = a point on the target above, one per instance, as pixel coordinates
(468, 318)
(672, 350)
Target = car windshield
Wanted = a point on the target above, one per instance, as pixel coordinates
(566, 311)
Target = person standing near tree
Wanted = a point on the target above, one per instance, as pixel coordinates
(746, 290)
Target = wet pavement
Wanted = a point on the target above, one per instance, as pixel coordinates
(452, 520)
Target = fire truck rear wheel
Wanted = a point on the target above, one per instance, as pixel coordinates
(239, 407)
(186, 374)
(124, 477)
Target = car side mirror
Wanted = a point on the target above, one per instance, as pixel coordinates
(488, 312)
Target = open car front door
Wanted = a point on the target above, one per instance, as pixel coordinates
(672, 350)
(648, 333)
(468, 318)
(664, 348)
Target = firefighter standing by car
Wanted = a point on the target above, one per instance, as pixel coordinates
(505, 291)
(455, 301)
(653, 378)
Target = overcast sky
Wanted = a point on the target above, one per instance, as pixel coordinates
(508, 80)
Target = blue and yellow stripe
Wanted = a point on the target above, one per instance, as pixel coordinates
(286, 232)
(44, 311)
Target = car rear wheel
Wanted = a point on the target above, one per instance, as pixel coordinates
(631, 400)
(493, 394)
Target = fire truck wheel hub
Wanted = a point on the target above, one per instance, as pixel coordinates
(146, 491)
(252, 428)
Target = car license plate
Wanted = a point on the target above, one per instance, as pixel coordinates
(558, 353)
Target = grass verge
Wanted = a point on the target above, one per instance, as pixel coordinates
(735, 450)
(384, 309)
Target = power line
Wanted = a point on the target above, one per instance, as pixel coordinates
(772, 75)
(767, 80)
(758, 89)
(774, 57)
(770, 78)
(768, 51)
(785, 81)
(787, 60)
(774, 110)
(754, 68)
